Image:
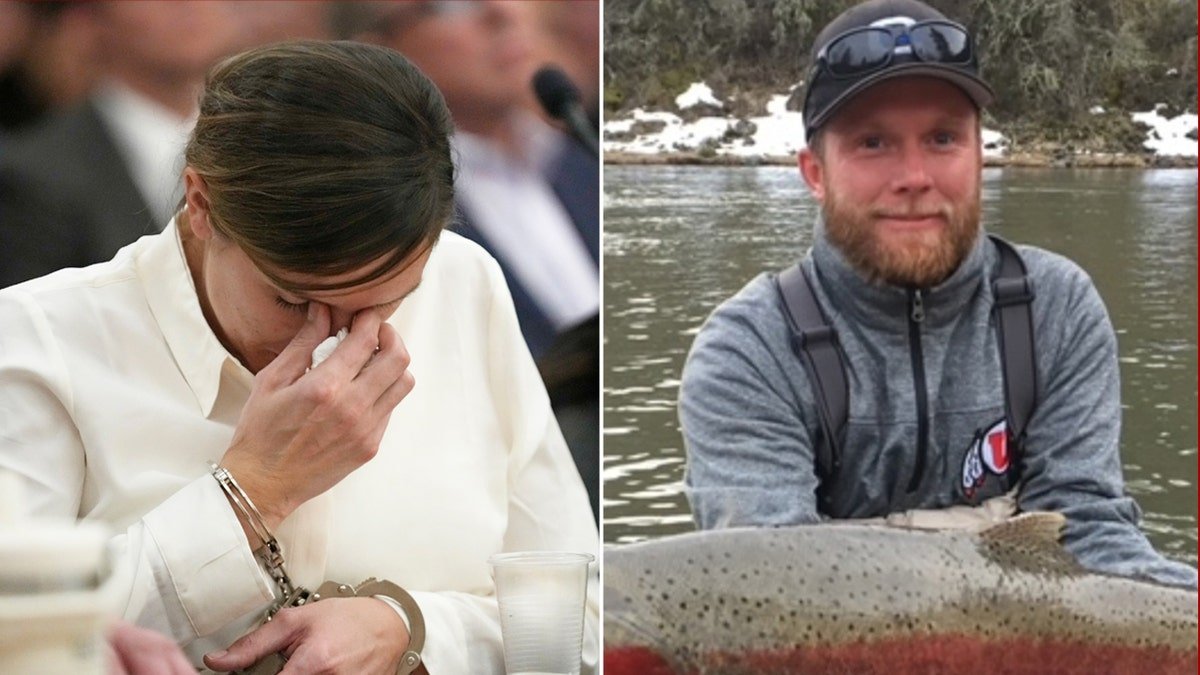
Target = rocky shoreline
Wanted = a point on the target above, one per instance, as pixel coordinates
(1044, 158)
(701, 129)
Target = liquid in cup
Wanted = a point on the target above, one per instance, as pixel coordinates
(542, 595)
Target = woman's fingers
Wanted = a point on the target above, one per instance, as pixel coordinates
(357, 349)
(296, 357)
(273, 636)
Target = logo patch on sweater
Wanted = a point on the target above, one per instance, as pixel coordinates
(988, 454)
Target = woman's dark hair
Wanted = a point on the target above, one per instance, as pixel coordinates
(322, 157)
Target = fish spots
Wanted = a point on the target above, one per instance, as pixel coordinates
(741, 594)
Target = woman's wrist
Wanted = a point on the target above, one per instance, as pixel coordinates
(410, 615)
(270, 506)
(268, 551)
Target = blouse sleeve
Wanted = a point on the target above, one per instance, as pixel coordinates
(191, 541)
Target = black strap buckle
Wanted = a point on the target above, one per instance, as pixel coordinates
(1012, 291)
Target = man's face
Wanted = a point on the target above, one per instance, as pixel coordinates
(169, 40)
(898, 180)
(478, 53)
(255, 318)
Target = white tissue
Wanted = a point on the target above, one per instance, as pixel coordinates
(326, 347)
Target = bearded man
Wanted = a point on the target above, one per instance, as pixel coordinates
(903, 276)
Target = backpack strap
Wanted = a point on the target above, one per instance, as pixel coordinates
(1013, 294)
(815, 343)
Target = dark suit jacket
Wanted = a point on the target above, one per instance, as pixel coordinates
(575, 179)
(66, 197)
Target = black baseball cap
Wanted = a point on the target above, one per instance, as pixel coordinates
(825, 93)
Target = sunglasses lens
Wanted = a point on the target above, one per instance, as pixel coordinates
(941, 43)
(859, 52)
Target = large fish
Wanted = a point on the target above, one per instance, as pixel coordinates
(862, 599)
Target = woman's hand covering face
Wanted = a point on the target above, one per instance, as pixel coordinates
(301, 433)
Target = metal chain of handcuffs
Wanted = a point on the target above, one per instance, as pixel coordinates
(291, 595)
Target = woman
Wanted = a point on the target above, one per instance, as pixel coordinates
(318, 182)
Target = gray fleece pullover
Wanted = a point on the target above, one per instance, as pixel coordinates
(749, 417)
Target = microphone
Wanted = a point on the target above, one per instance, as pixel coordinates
(560, 98)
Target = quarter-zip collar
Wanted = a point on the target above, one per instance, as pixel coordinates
(881, 306)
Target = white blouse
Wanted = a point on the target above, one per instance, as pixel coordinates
(115, 393)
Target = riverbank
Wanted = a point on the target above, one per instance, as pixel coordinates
(701, 129)
(1021, 159)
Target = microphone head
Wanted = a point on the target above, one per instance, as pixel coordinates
(555, 91)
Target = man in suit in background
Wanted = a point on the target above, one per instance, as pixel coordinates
(526, 192)
(47, 60)
(83, 182)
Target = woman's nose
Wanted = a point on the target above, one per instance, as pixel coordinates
(339, 319)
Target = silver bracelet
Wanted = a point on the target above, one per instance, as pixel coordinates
(270, 553)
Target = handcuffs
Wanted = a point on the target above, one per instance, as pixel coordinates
(291, 595)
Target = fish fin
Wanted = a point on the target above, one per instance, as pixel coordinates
(1044, 526)
(1031, 542)
(629, 631)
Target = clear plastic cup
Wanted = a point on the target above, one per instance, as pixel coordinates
(54, 596)
(542, 596)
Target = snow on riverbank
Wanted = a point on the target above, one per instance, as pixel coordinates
(780, 133)
(1168, 136)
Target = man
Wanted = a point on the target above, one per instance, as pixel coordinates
(571, 41)
(903, 274)
(47, 60)
(87, 181)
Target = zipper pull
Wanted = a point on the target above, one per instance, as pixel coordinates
(918, 307)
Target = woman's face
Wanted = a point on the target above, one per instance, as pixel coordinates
(256, 319)
(252, 316)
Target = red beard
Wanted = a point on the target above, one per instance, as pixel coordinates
(922, 258)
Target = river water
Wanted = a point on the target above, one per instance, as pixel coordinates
(679, 240)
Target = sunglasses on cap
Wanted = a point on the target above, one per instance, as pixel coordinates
(862, 51)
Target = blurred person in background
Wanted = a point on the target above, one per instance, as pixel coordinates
(267, 21)
(47, 60)
(570, 34)
(87, 180)
(526, 192)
